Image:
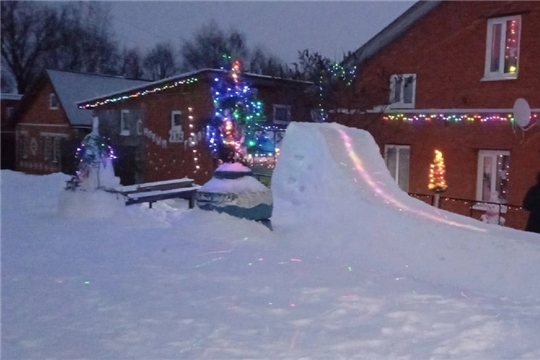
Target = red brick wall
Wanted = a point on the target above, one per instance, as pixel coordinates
(446, 51)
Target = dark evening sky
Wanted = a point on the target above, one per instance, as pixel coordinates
(282, 27)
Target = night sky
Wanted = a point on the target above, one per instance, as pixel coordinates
(281, 27)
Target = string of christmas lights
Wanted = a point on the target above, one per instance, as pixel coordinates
(139, 93)
(335, 72)
(456, 117)
(231, 134)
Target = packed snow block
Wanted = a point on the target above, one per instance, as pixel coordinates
(233, 190)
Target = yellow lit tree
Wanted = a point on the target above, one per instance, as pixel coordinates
(437, 183)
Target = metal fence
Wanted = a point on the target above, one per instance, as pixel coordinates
(508, 215)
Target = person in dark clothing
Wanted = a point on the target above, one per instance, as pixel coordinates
(531, 202)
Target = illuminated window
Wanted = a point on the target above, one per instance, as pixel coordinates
(397, 160)
(53, 101)
(502, 48)
(402, 91)
(124, 123)
(282, 114)
(493, 172)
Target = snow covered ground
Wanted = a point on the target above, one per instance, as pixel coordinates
(354, 269)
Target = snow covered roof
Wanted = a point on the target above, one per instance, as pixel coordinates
(71, 87)
(5, 96)
(180, 77)
(395, 29)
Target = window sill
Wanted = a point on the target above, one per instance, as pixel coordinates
(484, 207)
(498, 78)
(397, 106)
(281, 122)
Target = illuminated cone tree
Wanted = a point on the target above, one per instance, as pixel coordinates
(437, 183)
(231, 133)
(95, 168)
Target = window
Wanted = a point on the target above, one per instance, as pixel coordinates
(176, 135)
(56, 149)
(124, 123)
(402, 91)
(176, 119)
(502, 48)
(47, 150)
(53, 101)
(23, 145)
(397, 161)
(282, 114)
(9, 112)
(493, 171)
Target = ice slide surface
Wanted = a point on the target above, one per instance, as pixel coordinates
(335, 174)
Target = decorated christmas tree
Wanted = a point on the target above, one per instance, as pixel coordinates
(232, 132)
(437, 183)
(95, 168)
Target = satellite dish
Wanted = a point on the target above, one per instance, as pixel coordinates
(522, 112)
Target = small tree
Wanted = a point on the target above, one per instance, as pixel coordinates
(437, 183)
(95, 159)
(231, 134)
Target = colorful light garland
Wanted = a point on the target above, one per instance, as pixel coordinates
(139, 93)
(455, 117)
(231, 134)
(335, 72)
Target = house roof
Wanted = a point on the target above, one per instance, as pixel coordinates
(71, 87)
(391, 32)
(151, 87)
(6, 96)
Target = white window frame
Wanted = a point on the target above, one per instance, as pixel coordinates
(173, 113)
(279, 121)
(500, 75)
(176, 135)
(397, 147)
(123, 122)
(53, 102)
(139, 127)
(480, 175)
(401, 104)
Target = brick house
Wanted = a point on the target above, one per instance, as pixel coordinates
(8, 103)
(445, 75)
(49, 124)
(158, 129)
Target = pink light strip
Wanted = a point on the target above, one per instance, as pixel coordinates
(359, 167)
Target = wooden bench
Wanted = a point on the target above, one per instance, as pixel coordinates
(159, 190)
(151, 197)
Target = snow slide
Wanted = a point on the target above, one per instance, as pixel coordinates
(385, 229)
